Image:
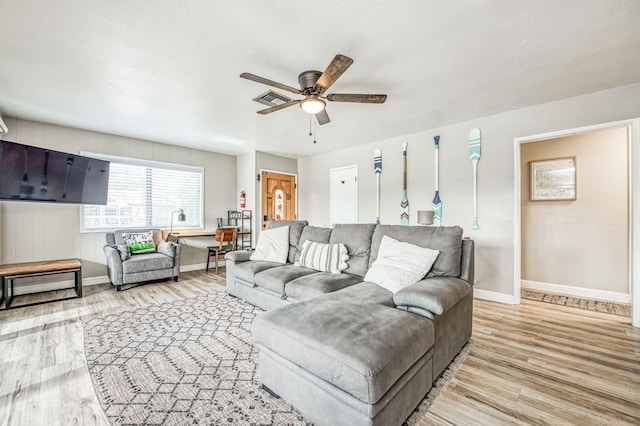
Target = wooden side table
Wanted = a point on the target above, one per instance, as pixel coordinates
(13, 271)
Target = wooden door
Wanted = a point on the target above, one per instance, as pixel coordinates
(278, 197)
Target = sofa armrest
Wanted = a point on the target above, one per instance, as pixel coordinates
(238, 256)
(436, 295)
(114, 264)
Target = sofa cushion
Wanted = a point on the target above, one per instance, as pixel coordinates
(400, 264)
(147, 262)
(295, 230)
(323, 257)
(123, 250)
(446, 239)
(313, 233)
(139, 242)
(117, 238)
(357, 239)
(168, 248)
(318, 283)
(351, 338)
(274, 279)
(247, 270)
(273, 245)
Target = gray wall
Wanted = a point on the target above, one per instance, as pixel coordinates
(495, 238)
(43, 231)
(589, 232)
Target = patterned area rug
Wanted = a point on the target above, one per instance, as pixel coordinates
(621, 309)
(191, 361)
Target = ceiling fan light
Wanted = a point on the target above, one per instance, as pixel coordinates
(312, 104)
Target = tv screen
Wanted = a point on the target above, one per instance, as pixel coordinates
(28, 173)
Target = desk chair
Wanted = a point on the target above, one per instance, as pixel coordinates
(226, 238)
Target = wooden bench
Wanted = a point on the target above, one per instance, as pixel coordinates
(13, 271)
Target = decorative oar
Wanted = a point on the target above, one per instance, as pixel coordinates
(474, 156)
(377, 168)
(404, 204)
(436, 204)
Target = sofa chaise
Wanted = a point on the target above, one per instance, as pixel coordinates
(349, 352)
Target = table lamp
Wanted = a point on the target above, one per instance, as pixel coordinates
(181, 218)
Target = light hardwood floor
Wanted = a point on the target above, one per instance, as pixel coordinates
(530, 364)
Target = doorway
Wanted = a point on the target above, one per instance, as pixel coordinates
(278, 197)
(550, 212)
(344, 195)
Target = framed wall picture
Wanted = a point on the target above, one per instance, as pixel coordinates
(553, 180)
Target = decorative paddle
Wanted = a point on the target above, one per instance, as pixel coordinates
(474, 156)
(377, 169)
(436, 204)
(404, 204)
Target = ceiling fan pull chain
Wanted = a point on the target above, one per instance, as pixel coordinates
(315, 131)
(310, 118)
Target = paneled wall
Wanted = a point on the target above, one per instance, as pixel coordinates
(495, 238)
(44, 231)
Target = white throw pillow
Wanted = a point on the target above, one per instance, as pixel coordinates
(273, 245)
(400, 264)
(323, 257)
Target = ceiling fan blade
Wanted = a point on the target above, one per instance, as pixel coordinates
(268, 82)
(278, 107)
(323, 117)
(360, 98)
(338, 65)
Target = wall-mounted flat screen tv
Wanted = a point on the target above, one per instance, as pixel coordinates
(28, 173)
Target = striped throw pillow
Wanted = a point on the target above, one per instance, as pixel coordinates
(323, 257)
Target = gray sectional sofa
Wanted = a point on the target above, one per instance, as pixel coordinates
(348, 352)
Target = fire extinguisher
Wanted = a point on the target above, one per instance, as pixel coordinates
(243, 200)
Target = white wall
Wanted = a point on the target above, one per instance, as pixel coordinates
(46, 231)
(495, 238)
(569, 243)
(246, 177)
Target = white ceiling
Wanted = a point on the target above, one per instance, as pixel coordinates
(168, 70)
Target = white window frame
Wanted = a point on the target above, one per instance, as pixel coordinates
(145, 163)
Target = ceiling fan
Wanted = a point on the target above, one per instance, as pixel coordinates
(313, 85)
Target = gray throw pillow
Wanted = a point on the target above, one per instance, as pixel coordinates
(124, 252)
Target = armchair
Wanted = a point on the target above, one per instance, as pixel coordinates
(126, 268)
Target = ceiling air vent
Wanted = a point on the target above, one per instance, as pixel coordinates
(271, 98)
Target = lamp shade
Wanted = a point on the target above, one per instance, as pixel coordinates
(425, 217)
(313, 104)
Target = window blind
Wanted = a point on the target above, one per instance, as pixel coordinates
(146, 193)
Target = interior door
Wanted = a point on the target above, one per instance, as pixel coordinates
(278, 197)
(344, 195)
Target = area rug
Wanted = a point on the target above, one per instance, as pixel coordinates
(191, 361)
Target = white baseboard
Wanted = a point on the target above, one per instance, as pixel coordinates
(102, 279)
(37, 288)
(58, 285)
(493, 296)
(197, 267)
(585, 293)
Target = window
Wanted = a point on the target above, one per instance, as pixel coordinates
(146, 193)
